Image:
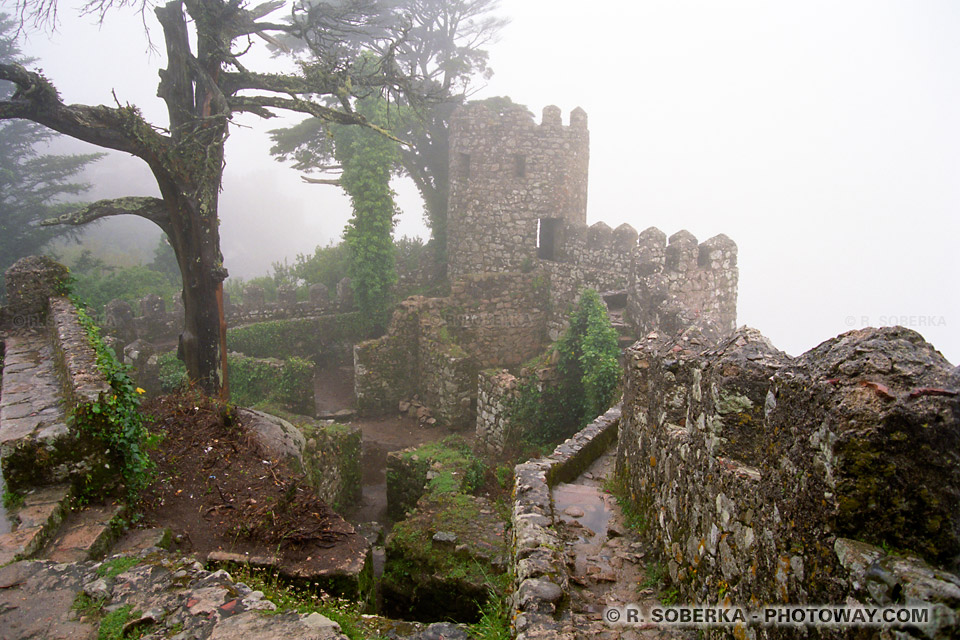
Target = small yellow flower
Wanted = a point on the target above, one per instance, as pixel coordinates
(141, 391)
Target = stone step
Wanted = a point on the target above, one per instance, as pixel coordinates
(84, 535)
(34, 522)
(136, 540)
(34, 437)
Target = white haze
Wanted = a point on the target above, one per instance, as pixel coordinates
(821, 136)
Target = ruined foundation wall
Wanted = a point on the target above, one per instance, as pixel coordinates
(495, 389)
(435, 347)
(774, 480)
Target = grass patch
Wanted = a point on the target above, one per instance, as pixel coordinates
(84, 605)
(112, 624)
(12, 501)
(655, 575)
(458, 468)
(115, 566)
(670, 597)
(494, 623)
(634, 515)
(289, 597)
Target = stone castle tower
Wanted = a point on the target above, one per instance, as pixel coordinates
(518, 201)
(514, 185)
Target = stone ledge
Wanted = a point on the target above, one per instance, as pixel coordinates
(83, 380)
(539, 571)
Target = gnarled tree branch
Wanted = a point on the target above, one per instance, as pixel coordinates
(232, 82)
(36, 99)
(153, 209)
(261, 105)
(309, 180)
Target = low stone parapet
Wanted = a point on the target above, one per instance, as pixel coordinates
(540, 574)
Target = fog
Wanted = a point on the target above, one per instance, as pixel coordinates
(822, 137)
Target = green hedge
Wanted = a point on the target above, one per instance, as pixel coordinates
(303, 337)
(254, 381)
(288, 383)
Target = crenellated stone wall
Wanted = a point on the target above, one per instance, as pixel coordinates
(681, 283)
(829, 478)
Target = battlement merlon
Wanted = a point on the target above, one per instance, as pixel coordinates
(517, 116)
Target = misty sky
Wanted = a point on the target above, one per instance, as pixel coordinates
(821, 136)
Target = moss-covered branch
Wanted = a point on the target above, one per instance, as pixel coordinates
(153, 209)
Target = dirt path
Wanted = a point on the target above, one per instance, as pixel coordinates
(607, 563)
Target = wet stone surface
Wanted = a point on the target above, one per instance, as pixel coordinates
(605, 561)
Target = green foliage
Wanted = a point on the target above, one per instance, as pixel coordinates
(445, 44)
(670, 597)
(114, 419)
(368, 158)
(494, 623)
(304, 337)
(288, 383)
(589, 351)
(235, 287)
(328, 265)
(504, 476)
(11, 500)
(165, 260)
(112, 624)
(84, 605)
(588, 375)
(129, 284)
(655, 576)
(173, 373)
(634, 515)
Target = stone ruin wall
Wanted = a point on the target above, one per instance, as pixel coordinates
(435, 347)
(828, 478)
(156, 324)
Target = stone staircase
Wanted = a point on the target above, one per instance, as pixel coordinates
(48, 369)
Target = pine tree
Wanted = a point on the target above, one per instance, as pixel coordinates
(32, 184)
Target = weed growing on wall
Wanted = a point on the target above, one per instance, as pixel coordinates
(114, 419)
(586, 380)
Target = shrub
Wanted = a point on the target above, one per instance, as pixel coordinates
(587, 377)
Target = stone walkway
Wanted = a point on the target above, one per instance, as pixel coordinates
(168, 597)
(30, 404)
(607, 564)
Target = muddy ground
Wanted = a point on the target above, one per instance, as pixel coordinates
(218, 491)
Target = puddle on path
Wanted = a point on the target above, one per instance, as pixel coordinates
(587, 505)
